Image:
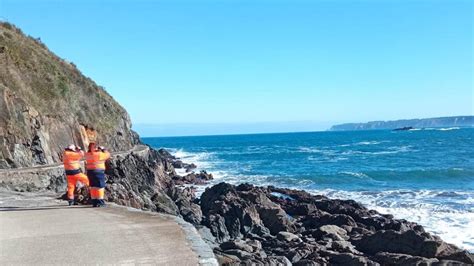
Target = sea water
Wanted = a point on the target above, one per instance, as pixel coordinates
(425, 176)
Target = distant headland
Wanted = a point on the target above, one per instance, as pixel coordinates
(453, 121)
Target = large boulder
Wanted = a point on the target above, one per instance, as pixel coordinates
(411, 243)
(245, 209)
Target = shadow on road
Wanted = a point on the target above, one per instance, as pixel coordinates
(41, 208)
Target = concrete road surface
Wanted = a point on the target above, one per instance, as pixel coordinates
(57, 234)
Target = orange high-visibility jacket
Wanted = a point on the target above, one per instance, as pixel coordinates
(72, 159)
(96, 160)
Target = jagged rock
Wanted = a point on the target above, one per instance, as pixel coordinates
(306, 262)
(193, 178)
(344, 247)
(236, 244)
(204, 176)
(411, 243)
(386, 258)
(288, 237)
(241, 254)
(331, 231)
(190, 167)
(314, 229)
(166, 155)
(349, 259)
(295, 255)
(226, 259)
(164, 204)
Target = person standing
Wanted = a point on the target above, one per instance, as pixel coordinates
(72, 165)
(95, 165)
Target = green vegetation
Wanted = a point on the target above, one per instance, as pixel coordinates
(53, 86)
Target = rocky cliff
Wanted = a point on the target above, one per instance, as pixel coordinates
(47, 104)
(454, 121)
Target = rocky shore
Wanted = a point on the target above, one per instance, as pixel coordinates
(248, 225)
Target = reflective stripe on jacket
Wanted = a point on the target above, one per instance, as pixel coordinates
(72, 160)
(96, 160)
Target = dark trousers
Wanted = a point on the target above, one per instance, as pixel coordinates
(97, 186)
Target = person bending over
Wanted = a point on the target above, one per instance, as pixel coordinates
(72, 165)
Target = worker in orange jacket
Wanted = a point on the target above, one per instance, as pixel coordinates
(72, 164)
(95, 165)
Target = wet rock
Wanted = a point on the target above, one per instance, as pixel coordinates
(193, 178)
(166, 154)
(190, 167)
(203, 175)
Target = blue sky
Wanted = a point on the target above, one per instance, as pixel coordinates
(205, 67)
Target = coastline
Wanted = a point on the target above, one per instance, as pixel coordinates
(385, 228)
(434, 222)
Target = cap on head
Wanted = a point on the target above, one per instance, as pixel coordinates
(71, 147)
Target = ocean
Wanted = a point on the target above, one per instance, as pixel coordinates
(425, 176)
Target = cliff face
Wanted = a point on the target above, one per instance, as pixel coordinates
(47, 104)
(455, 121)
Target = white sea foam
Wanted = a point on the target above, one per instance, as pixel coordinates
(453, 226)
(448, 128)
(364, 143)
(389, 150)
(436, 128)
(369, 142)
(201, 159)
(311, 150)
(360, 175)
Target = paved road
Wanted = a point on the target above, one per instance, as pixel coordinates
(37, 229)
(58, 234)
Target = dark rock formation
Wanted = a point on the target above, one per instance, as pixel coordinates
(256, 225)
(192, 178)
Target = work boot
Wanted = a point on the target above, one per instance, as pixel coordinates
(70, 202)
(101, 203)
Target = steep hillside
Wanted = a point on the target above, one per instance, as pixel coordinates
(46, 104)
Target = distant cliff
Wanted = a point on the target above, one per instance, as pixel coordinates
(454, 121)
(46, 104)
